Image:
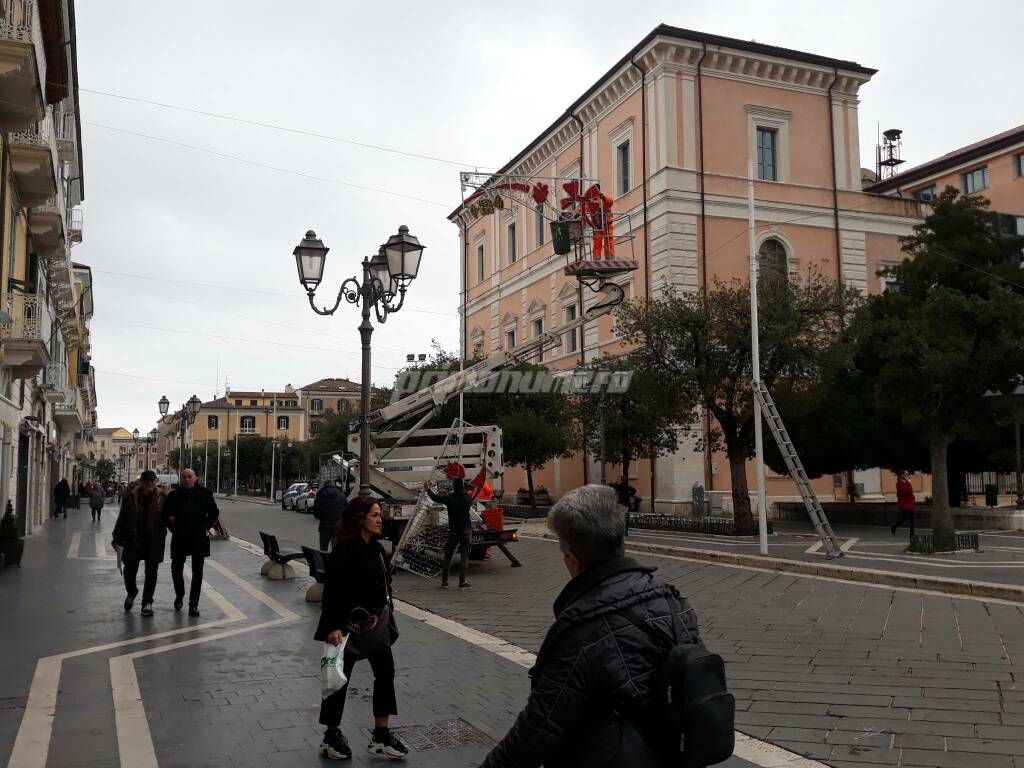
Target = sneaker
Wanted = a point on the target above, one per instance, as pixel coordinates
(178, 602)
(193, 610)
(334, 746)
(129, 602)
(385, 742)
(147, 609)
(465, 585)
(444, 585)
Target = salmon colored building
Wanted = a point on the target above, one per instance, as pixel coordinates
(668, 132)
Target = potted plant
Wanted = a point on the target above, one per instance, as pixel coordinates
(542, 496)
(523, 496)
(11, 545)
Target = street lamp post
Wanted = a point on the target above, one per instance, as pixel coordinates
(1015, 392)
(148, 441)
(184, 416)
(386, 277)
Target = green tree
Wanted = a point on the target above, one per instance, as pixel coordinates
(701, 343)
(640, 422)
(105, 469)
(951, 333)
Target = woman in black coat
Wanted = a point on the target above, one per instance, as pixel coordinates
(358, 580)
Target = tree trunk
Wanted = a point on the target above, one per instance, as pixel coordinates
(654, 476)
(625, 465)
(942, 515)
(529, 486)
(740, 494)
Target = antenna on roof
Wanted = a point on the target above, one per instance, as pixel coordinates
(888, 154)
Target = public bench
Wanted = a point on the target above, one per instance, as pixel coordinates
(317, 562)
(277, 566)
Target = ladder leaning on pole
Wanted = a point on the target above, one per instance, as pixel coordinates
(796, 471)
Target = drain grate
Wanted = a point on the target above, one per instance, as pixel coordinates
(444, 734)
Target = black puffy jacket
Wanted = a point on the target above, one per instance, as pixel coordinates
(358, 576)
(328, 504)
(597, 674)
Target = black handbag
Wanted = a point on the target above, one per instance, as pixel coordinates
(372, 632)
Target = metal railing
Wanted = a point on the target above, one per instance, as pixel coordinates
(20, 22)
(31, 318)
(75, 219)
(55, 379)
(1005, 482)
(41, 134)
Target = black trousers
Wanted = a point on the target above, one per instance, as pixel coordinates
(907, 519)
(60, 507)
(97, 513)
(325, 540)
(384, 702)
(463, 540)
(131, 572)
(178, 577)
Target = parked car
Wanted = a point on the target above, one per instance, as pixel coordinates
(304, 501)
(288, 498)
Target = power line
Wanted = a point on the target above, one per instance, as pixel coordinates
(239, 289)
(265, 166)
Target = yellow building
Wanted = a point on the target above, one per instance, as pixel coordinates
(268, 414)
(328, 396)
(47, 385)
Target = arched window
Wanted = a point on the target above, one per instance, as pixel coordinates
(771, 260)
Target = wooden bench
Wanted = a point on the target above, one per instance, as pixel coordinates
(276, 566)
(317, 562)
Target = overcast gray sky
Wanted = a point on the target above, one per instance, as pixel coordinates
(189, 248)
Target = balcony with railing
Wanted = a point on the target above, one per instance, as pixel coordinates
(87, 388)
(34, 161)
(48, 225)
(25, 327)
(69, 415)
(76, 217)
(55, 383)
(22, 64)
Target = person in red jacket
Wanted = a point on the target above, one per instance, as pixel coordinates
(905, 502)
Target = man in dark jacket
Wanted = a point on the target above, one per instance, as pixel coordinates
(327, 508)
(141, 533)
(190, 512)
(460, 528)
(594, 691)
(61, 492)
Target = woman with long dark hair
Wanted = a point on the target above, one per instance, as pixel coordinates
(356, 598)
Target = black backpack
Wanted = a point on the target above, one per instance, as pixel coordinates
(698, 706)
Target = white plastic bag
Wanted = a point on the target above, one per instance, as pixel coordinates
(332, 677)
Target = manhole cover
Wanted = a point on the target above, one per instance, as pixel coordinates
(444, 734)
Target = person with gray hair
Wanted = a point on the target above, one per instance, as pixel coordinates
(595, 688)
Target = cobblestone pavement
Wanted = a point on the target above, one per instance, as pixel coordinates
(82, 683)
(845, 673)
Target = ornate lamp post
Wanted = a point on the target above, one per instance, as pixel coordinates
(184, 416)
(385, 279)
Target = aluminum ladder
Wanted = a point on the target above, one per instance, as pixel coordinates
(796, 471)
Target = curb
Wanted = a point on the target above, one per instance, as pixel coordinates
(956, 587)
(264, 502)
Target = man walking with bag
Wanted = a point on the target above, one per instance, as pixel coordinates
(327, 508)
(141, 533)
(190, 511)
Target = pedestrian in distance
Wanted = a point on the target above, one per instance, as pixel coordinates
(97, 498)
(460, 528)
(906, 504)
(595, 697)
(61, 492)
(328, 504)
(624, 492)
(141, 532)
(189, 511)
(357, 594)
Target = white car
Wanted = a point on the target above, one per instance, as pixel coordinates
(289, 496)
(304, 501)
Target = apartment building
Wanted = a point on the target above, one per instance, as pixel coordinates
(328, 396)
(667, 132)
(47, 382)
(268, 414)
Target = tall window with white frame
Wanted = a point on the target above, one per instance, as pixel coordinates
(767, 163)
(512, 256)
(572, 337)
(624, 166)
(976, 180)
(510, 339)
(480, 263)
(247, 424)
(538, 222)
(538, 331)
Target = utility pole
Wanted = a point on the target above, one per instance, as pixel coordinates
(755, 349)
(236, 464)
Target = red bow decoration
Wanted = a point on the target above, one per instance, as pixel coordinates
(454, 470)
(540, 193)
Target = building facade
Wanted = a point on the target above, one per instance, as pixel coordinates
(327, 396)
(274, 415)
(47, 382)
(668, 132)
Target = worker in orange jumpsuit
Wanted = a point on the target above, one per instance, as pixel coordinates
(604, 226)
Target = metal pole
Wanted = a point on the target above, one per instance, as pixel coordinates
(218, 458)
(365, 331)
(273, 452)
(206, 459)
(236, 464)
(755, 350)
(1020, 485)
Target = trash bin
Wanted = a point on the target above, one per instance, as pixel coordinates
(991, 495)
